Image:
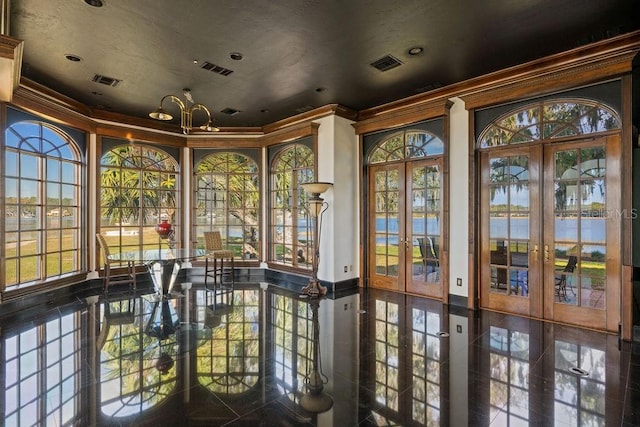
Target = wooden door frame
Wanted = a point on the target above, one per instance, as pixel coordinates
(409, 166)
(542, 306)
(400, 284)
(532, 305)
(370, 251)
(611, 317)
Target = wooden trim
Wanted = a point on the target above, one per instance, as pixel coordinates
(11, 50)
(224, 141)
(473, 248)
(291, 133)
(546, 79)
(364, 280)
(3, 253)
(445, 235)
(318, 113)
(140, 135)
(626, 308)
(387, 117)
(626, 177)
(54, 109)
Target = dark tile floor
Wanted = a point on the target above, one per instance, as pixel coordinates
(263, 356)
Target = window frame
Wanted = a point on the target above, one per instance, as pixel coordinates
(67, 180)
(140, 234)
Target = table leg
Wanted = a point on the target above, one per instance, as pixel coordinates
(164, 275)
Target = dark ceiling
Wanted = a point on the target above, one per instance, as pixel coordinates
(296, 54)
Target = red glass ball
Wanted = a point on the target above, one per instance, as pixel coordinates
(164, 228)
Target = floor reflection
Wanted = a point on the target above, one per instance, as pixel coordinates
(258, 354)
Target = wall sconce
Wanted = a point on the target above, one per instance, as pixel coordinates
(317, 207)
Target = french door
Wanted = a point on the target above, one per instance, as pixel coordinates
(550, 231)
(405, 224)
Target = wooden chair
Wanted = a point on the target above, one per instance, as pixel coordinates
(430, 258)
(128, 277)
(116, 313)
(561, 279)
(216, 252)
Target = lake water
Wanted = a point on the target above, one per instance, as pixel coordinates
(592, 230)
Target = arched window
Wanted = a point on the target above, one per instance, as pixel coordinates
(43, 188)
(228, 200)
(548, 120)
(291, 225)
(138, 188)
(410, 144)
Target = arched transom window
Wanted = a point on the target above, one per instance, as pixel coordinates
(410, 144)
(138, 188)
(228, 200)
(548, 120)
(43, 188)
(291, 225)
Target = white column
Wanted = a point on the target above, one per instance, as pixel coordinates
(337, 162)
(459, 198)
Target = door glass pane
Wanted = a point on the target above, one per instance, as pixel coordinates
(592, 276)
(386, 222)
(425, 205)
(509, 211)
(580, 229)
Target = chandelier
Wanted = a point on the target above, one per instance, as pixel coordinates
(187, 108)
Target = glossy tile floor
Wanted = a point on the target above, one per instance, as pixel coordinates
(261, 355)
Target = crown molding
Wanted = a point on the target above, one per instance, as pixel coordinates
(10, 66)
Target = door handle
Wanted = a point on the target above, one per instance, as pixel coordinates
(535, 251)
(546, 253)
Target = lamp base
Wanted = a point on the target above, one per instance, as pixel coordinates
(316, 402)
(314, 289)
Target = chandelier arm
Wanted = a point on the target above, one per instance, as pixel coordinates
(202, 107)
(176, 100)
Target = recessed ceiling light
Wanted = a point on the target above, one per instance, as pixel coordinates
(73, 58)
(417, 50)
(95, 3)
(236, 56)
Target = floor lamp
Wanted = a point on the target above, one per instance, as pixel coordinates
(317, 207)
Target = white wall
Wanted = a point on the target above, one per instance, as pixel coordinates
(338, 163)
(459, 198)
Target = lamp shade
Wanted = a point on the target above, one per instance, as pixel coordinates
(316, 187)
(160, 114)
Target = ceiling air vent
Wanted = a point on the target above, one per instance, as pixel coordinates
(109, 81)
(230, 111)
(386, 63)
(216, 69)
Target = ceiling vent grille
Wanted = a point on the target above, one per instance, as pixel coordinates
(104, 80)
(386, 63)
(230, 111)
(216, 69)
